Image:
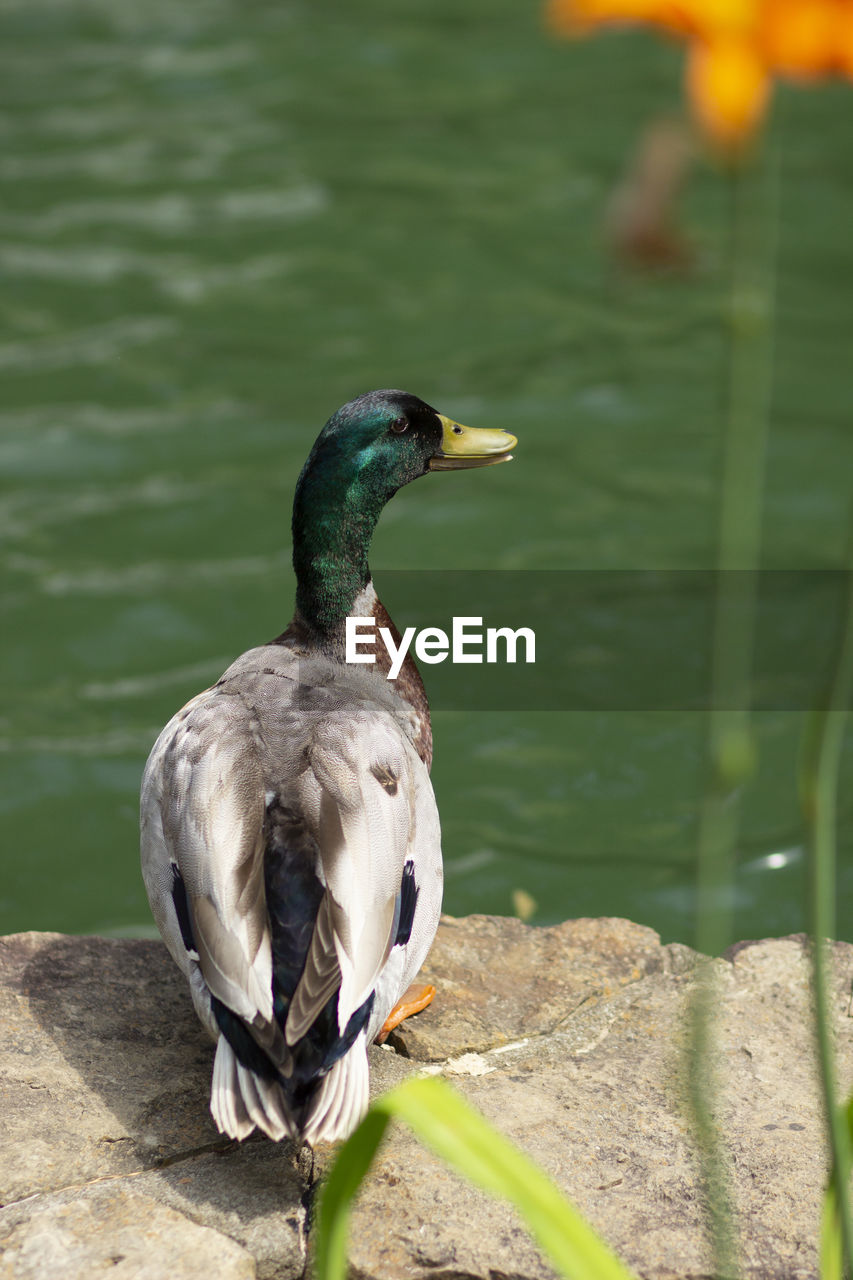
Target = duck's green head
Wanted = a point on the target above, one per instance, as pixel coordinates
(368, 450)
(382, 440)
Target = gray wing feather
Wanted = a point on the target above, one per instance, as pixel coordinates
(363, 830)
(320, 979)
(206, 781)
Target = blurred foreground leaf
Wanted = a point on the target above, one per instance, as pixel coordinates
(831, 1236)
(819, 779)
(468, 1143)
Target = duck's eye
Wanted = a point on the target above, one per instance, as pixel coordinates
(399, 425)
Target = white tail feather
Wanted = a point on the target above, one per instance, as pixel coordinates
(263, 1102)
(240, 1101)
(226, 1101)
(342, 1098)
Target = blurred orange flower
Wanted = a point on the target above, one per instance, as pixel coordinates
(735, 47)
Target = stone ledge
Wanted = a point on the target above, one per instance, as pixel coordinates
(570, 1039)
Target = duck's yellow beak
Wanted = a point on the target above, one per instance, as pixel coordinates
(470, 447)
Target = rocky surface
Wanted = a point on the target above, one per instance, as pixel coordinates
(571, 1040)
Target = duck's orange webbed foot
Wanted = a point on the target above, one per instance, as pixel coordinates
(415, 998)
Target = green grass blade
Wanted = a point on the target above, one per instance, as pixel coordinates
(471, 1146)
(731, 742)
(831, 1237)
(819, 779)
(345, 1177)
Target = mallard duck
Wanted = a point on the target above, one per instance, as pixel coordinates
(290, 839)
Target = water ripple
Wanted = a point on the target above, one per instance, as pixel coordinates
(141, 686)
(176, 276)
(25, 510)
(54, 422)
(173, 213)
(140, 579)
(94, 345)
(116, 742)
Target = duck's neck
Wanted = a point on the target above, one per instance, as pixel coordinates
(333, 523)
(334, 517)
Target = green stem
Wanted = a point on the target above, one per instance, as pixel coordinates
(731, 751)
(819, 788)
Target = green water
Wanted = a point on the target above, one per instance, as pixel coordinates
(218, 221)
